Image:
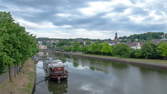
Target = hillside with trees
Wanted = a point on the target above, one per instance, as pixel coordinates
(148, 49)
(143, 37)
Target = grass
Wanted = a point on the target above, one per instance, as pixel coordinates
(137, 60)
(147, 60)
(156, 61)
(23, 83)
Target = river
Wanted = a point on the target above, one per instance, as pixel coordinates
(91, 76)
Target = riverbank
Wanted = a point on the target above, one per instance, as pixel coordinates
(23, 83)
(152, 63)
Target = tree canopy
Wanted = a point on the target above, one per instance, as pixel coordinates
(162, 49)
(121, 50)
(16, 45)
(149, 50)
(143, 37)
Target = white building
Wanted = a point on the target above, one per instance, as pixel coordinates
(42, 47)
(135, 45)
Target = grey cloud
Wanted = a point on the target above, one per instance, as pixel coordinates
(119, 8)
(49, 8)
(3, 7)
(139, 11)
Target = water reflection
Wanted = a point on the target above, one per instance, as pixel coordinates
(57, 88)
(91, 76)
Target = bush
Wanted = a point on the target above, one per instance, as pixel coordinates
(121, 50)
(149, 50)
(162, 50)
(136, 53)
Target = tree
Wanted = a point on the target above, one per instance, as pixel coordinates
(121, 50)
(93, 48)
(162, 49)
(149, 50)
(143, 37)
(16, 45)
(136, 53)
(106, 49)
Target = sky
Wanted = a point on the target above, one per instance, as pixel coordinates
(95, 19)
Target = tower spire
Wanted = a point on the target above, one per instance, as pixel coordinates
(116, 36)
(164, 36)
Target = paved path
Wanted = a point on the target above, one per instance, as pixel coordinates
(3, 77)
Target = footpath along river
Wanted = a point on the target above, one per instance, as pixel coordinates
(91, 76)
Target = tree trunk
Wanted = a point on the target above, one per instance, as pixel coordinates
(15, 74)
(18, 67)
(10, 74)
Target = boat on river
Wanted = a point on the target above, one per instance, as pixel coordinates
(55, 69)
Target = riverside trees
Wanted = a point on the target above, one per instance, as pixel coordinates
(16, 45)
(162, 49)
(121, 50)
(148, 51)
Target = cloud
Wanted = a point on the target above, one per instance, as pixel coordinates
(88, 18)
(94, 8)
(32, 25)
(63, 14)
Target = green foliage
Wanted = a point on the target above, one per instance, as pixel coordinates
(136, 53)
(149, 50)
(162, 49)
(16, 45)
(99, 48)
(142, 37)
(121, 50)
(106, 49)
(94, 48)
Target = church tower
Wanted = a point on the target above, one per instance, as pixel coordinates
(116, 36)
(164, 36)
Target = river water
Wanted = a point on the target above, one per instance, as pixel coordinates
(92, 76)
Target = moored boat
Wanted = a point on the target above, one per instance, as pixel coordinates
(55, 69)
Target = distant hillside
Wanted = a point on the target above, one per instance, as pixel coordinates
(143, 37)
(131, 38)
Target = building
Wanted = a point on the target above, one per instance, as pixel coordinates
(135, 45)
(115, 41)
(157, 41)
(42, 47)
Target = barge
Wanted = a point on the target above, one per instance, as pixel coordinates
(55, 70)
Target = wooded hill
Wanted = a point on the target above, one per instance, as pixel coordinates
(143, 37)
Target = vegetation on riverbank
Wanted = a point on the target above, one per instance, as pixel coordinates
(148, 51)
(16, 45)
(156, 61)
(23, 83)
(151, 45)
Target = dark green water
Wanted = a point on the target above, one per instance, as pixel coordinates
(91, 76)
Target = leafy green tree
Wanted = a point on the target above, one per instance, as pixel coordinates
(94, 48)
(121, 50)
(16, 45)
(162, 49)
(106, 49)
(142, 37)
(149, 50)
(136, 53)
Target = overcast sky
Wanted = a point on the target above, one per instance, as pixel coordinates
(98, 19)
